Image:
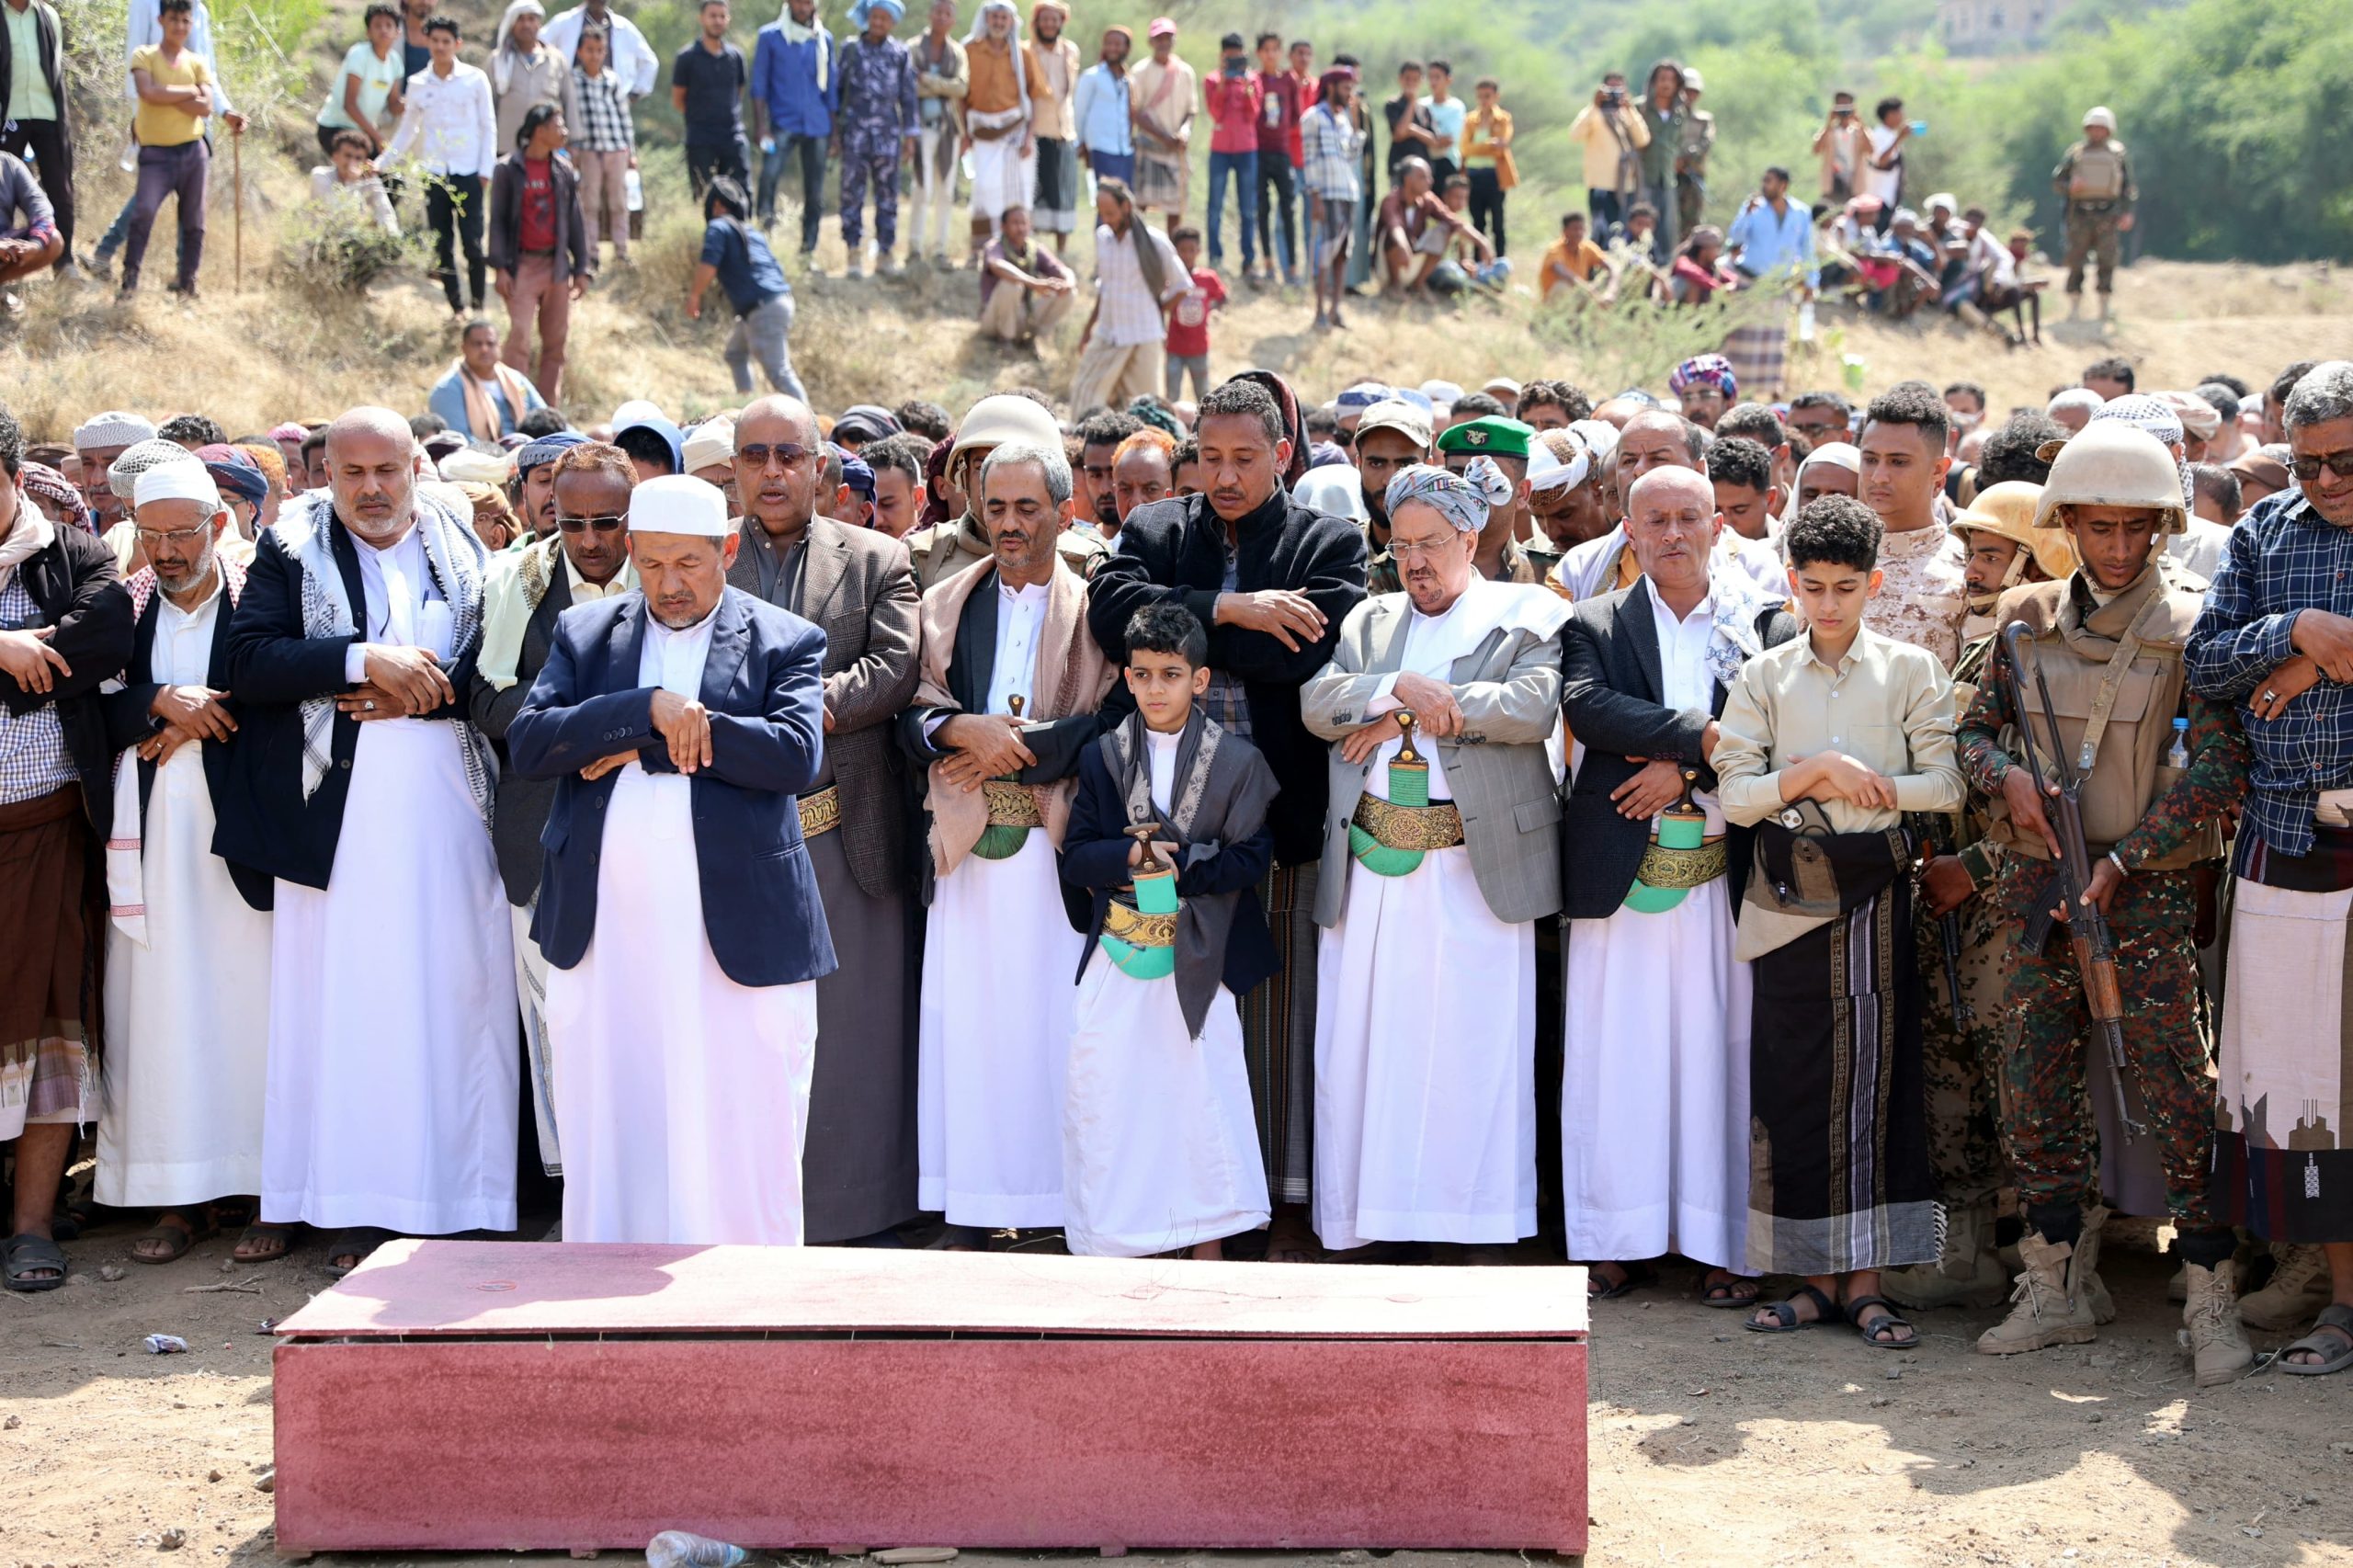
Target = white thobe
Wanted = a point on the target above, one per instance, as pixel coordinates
(684, 1098)
(393, 1071)
(994, 1019)
(1425, 1030)
(1160, 1145)
(1655, 1083)
(187, 1006)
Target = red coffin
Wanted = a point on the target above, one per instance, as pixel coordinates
(485, 1396)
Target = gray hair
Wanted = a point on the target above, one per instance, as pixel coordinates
(2325, 393)
(1020, 454)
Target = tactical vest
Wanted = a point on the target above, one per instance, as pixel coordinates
(2097, 176)
(2077, 656)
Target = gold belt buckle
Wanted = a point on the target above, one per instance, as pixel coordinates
(1664, 867)
(1011, 804)
(1438, 826)
(1136, 928)
(821, 813)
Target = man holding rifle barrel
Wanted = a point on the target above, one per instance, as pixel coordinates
(2125, 787)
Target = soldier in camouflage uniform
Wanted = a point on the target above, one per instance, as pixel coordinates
(877, 126)
(2094, 184)
(2108, 643)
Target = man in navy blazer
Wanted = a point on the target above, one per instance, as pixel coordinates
(677, 909)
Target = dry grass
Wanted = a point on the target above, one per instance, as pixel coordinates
(281, 349)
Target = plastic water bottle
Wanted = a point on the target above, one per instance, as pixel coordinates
(632, 192)
(681, 1548)
(2179, 756)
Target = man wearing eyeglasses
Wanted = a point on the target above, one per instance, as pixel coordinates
(582, 558)
(2274, 640)
(857, 587)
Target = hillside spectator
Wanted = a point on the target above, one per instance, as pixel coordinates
(1488, 160)
(1841, 144)
(1164, 93)
(525, 70)
(604, 142)
(1410, 133)
(1700, 270)
(174, 87)
(874, 130)
(35, 119)
(1447, 114)
(1470, 261)
(365, 94)
(1282, 101)
(1611, 132)
(739, 260)
(350, 185)
(707, 82)
(2005, 289)
(1773, 237)
(28, 237)
(796, 83)
(1234, 98)
(1691, 158)
(1054, 68)
(481, 396)
(415, 53)
(1137, 275)
(449, 128)
(539, 244)
(2094, 180)
(1666, 120)
(626, 51)
(2111, 376)
(1188, 318)
(1026, 290)
(1881, 174)
(143, 29)
(1415, 228)
(1333, 137)
(942, 82)
(999, 136)
(1100, 110)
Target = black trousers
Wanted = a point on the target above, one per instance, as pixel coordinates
(1487, 204)
(706, 160)
(453, 210)
(1275, 191)
(53, 156)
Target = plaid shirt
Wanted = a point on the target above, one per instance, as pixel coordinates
(602, 123)
(2284, 557)
(33, 759)
(1332, 144)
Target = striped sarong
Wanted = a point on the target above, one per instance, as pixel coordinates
(1759, 352)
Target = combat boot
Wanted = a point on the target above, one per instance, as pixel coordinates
(2048, 1306)
(1966, 1273)
(2213, 1333)
(2298, 1290)
(2096, 1294)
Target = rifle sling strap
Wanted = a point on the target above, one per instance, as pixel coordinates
(2111, 683)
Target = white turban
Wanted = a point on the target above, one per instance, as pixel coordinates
(1834, 454)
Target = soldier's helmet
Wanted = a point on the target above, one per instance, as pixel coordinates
(2007, 511)
(2112, 463)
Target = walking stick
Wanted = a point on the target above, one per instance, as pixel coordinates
(237, 196)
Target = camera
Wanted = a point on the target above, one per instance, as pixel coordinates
(1614, 96)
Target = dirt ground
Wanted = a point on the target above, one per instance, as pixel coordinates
(1709, 1445)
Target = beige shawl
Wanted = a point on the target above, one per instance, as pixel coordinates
(1072, 677)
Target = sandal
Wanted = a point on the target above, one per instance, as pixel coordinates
(29, 1263)
(264, 1242)
(2330, 1339)
(355, 1244)
(1785, 1314)
(177, 1230)
(1631, 1276)
(1732, 1291)
(1861, 1308)
(236, 1213)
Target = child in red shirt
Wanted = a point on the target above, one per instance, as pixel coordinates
(1188, 318)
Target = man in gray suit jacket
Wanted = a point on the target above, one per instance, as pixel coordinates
(586, 559)
(1435, 872)
(856, 586)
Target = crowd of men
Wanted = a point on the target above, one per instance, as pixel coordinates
(1395, 827)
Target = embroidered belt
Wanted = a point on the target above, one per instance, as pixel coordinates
(1409, 827)
(821, 813)
(1665, 868)
(1137, 929)
(1011, 804)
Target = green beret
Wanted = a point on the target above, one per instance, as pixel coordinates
(1490, 437)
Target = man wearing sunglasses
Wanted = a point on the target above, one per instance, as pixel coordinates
(2274, 640)
(581, 557)
(856, 586)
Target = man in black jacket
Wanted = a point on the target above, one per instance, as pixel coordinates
(1654, 1088)
(64, 626)
(1272, 581)
(39, 127)
(539, 245)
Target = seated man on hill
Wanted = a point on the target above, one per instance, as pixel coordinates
(29, 239)
(1025, 289)
(1415, 231)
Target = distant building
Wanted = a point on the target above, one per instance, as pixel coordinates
(1993, 26)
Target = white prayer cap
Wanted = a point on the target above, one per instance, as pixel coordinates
(471, 465)
(710, 443)
(2082, 398)
(1834, 454)
(678, 504)
(113, 428)
(1558, 459)
(189, 481)
(1444, 394)
(637, 411)
(1943, 199)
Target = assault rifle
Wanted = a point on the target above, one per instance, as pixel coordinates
(1937, 839)
(2070, 874)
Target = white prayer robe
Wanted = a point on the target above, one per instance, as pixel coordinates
(1655, 1083)
(684, 1098)
(1425, 1030)
(188, 1002)
(393, 1062)
(1160, 1146)
(996, 1013)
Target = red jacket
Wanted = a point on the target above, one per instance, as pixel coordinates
(1235, 103)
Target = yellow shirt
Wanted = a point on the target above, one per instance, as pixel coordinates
(156, 125)
(1590, 258)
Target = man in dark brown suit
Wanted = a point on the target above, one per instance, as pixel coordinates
(585, 557)
(856, 586)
